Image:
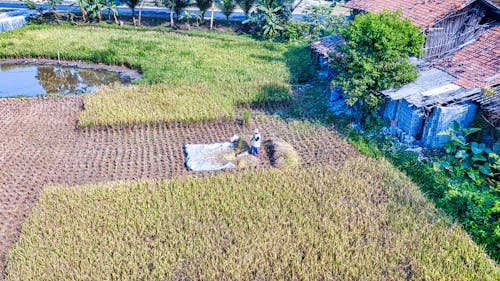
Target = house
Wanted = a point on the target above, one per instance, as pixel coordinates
(459, 71)
(447, 24)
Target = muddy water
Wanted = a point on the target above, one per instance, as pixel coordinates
(37, 80)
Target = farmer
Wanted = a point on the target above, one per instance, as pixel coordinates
(255, 142)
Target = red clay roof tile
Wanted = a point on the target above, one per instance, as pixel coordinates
(423, 13)
(477, 65)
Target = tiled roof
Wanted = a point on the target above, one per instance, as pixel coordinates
(326, 45)
(423, 13)
(477, 65)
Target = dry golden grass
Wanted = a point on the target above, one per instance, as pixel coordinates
(118, 105)
(283, 155)
(362, 221)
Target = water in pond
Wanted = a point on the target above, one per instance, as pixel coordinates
(36, 80)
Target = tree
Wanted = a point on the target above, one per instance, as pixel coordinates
(375, 57)
(52, 4)
(246, 5)
(212, 15)
(271, 16)
(141, 6)
(227, 7)
(203, 6)
(132, 4)
(180, 5)
(174, 6)
(82, 4)
(286, 7)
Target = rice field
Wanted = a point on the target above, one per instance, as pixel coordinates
(352, 218)
(363, 220)
(187, 76)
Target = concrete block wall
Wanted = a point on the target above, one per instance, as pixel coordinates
(390, 109)
(440, 119)
(409, 118)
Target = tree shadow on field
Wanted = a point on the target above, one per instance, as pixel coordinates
(266, 58)
(308, 96)
(272, 96)
(298, 62)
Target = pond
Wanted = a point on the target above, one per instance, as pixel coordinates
(37, 80)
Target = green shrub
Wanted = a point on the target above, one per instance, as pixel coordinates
(376, 57)
(296, 30)
(322, 22)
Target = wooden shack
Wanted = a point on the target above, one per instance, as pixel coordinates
(459, 73)
(448, 24)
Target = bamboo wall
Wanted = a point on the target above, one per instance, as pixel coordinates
(454, 31)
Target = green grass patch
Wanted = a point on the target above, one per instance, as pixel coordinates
(362, 221)
(225, 70)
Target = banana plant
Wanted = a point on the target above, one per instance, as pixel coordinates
(95, 9)
(271, 27)
(82, 4)
(110, 7)
(188, 16)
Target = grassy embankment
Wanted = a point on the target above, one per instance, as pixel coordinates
(362, 221)
(476, 208)
(188, 77)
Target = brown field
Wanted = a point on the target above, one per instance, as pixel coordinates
(41, 145)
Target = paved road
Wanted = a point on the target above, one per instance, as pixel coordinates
(154, 12)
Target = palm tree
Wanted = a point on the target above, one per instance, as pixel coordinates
(132, 4)
(203, 6)
(180, 5)
(246, 5)
(227, 7)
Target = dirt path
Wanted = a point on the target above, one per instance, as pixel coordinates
(40, 145)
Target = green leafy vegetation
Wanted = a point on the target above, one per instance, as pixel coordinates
(362, 221)
(94, 10)
(475, 206)
(221, 70)
(176, 6)
(375, 57)
(471, 160)
(203, 6)
(271, 26)
(271, 17)
(322, 22)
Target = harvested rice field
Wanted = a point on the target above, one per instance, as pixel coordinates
(40, 144)
(362, 220)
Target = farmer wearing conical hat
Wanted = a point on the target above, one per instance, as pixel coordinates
(256, 138)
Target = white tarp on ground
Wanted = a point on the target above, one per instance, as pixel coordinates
(210, 157)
